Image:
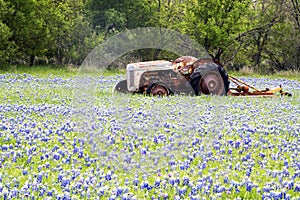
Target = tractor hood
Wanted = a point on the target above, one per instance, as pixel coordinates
(136, 70)
(150, 65)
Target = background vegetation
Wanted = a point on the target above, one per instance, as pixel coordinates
(263, 35)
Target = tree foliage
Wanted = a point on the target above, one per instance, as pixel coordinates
(116, 15)
(7, 47)
(52, 31)
(264, 34)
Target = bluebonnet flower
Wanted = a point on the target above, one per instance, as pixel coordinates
(144, 185)
(75, 162)
(226, 179)
(5, 147)
(297, 187)
(177, 197)
(65, 182)
(135, 182)
(40, 177)
(186, 180)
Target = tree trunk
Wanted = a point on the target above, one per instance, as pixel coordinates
(298, 58)
(31, 60)
(159, 6)
(206, 44)
(156, 53)
(58, 56)
(258, 58)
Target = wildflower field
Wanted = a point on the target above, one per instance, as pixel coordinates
(226, 147)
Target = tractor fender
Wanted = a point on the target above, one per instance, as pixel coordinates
(204, 68)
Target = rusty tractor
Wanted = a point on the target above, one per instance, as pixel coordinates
(187, 75)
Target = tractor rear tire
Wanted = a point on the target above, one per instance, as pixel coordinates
(122, 87)
(210, 79)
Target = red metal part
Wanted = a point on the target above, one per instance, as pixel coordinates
(212, 83)
(159, 90)
(266, 94)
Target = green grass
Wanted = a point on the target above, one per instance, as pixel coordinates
(41, 71)
(291, 74)
(49, 70)
(69, 71)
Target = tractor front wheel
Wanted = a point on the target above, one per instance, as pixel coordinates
(157, 89)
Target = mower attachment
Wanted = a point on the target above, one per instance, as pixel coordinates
(243, 89)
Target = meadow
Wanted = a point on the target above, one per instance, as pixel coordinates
(140, 147)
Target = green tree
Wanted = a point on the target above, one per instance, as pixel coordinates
(67, 27)
(29, 31)
(214, 24)
(217, 24)
(268, 15)
(48, 30)
(291, 50)
(115, 15)
(71, 33)
(7, 47)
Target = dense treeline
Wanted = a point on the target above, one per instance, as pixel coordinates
(264, 34)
